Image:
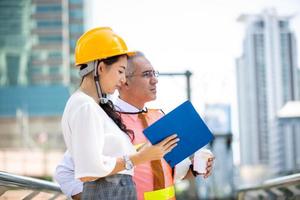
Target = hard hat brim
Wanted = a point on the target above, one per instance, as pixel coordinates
(131, 53)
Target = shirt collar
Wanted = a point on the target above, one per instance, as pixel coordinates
(123, 106)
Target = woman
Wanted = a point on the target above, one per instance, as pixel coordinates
(95, 136)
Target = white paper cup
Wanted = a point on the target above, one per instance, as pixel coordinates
(200, 160)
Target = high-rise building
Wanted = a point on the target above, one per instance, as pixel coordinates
(76, 28)
(14, 41)
(38, 41)
(266, 80)
(49, 57)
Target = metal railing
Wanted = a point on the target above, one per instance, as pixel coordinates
(21, 187)
(287, 187)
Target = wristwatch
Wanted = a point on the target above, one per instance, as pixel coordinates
(128, 163)
(195, 173)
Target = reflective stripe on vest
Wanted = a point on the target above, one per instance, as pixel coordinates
(163, 194)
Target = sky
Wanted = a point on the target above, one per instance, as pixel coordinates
(202, 36)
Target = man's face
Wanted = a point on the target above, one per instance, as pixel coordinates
(142, 81)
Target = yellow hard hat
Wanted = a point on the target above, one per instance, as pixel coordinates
(99, 43)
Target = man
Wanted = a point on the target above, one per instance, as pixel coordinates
(153, 180)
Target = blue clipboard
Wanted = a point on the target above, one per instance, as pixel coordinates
(188, 125)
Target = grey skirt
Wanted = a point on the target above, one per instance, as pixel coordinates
(115, 187)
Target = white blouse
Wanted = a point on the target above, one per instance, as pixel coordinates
(92, 138)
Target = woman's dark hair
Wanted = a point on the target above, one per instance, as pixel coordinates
(109, 107)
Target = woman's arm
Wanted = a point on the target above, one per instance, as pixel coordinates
(146, 154)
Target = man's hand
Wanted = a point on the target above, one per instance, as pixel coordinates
(209, 167)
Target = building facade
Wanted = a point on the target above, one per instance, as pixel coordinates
(38, 41)
(267, 77)
(220, 184)
(37, 45)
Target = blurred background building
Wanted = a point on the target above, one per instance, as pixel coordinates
(37, 46)
(220, 184)
(267, 78)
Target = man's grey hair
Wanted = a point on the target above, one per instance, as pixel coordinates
(131, 67)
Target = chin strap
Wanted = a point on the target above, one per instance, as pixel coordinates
(102, 97)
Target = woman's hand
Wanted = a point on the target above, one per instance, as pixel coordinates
(155, 152)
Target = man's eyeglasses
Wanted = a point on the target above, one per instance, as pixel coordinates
(147, 74)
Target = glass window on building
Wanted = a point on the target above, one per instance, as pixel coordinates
(72, 44)
(283, 24)
(76, 14)
(49, 24)
(55, 55)
(75, 1)
(48, 8)
(260, 24)
(53, 70)
(50, 39)
(35, 70)
(13, 68)
(76, 28)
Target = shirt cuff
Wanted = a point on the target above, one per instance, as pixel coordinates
(181, 169)
(77, 189)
